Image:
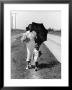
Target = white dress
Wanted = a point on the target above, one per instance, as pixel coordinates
(30, 44)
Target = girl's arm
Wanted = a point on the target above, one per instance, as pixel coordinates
(23, 37)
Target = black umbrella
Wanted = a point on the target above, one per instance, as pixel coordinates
(40, 30)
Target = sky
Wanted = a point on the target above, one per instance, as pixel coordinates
(49, 18)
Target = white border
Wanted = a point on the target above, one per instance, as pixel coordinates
(64, 45)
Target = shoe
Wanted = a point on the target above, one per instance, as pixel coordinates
(36, 66)
(28, 67)
(36, 69)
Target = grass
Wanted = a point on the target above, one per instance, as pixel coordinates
(16, 31)
(57, 33)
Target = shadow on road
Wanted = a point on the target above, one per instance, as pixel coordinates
(45, 65)
(49, 65)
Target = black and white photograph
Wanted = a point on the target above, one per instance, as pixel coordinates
(35, 36)
(36, 44)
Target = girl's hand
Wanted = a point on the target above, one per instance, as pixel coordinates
(23, 38)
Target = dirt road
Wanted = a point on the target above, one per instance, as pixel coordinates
(49, 67)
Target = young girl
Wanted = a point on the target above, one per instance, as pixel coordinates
(29, 37)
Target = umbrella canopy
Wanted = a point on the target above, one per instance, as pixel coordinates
(40, 30)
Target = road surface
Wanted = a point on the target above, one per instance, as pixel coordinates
(49, 67)
(54, 44)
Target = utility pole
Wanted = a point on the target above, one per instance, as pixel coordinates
(13, 20)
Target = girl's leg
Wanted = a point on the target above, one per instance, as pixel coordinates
(36, 54)
(28, 59)
(28, 55)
